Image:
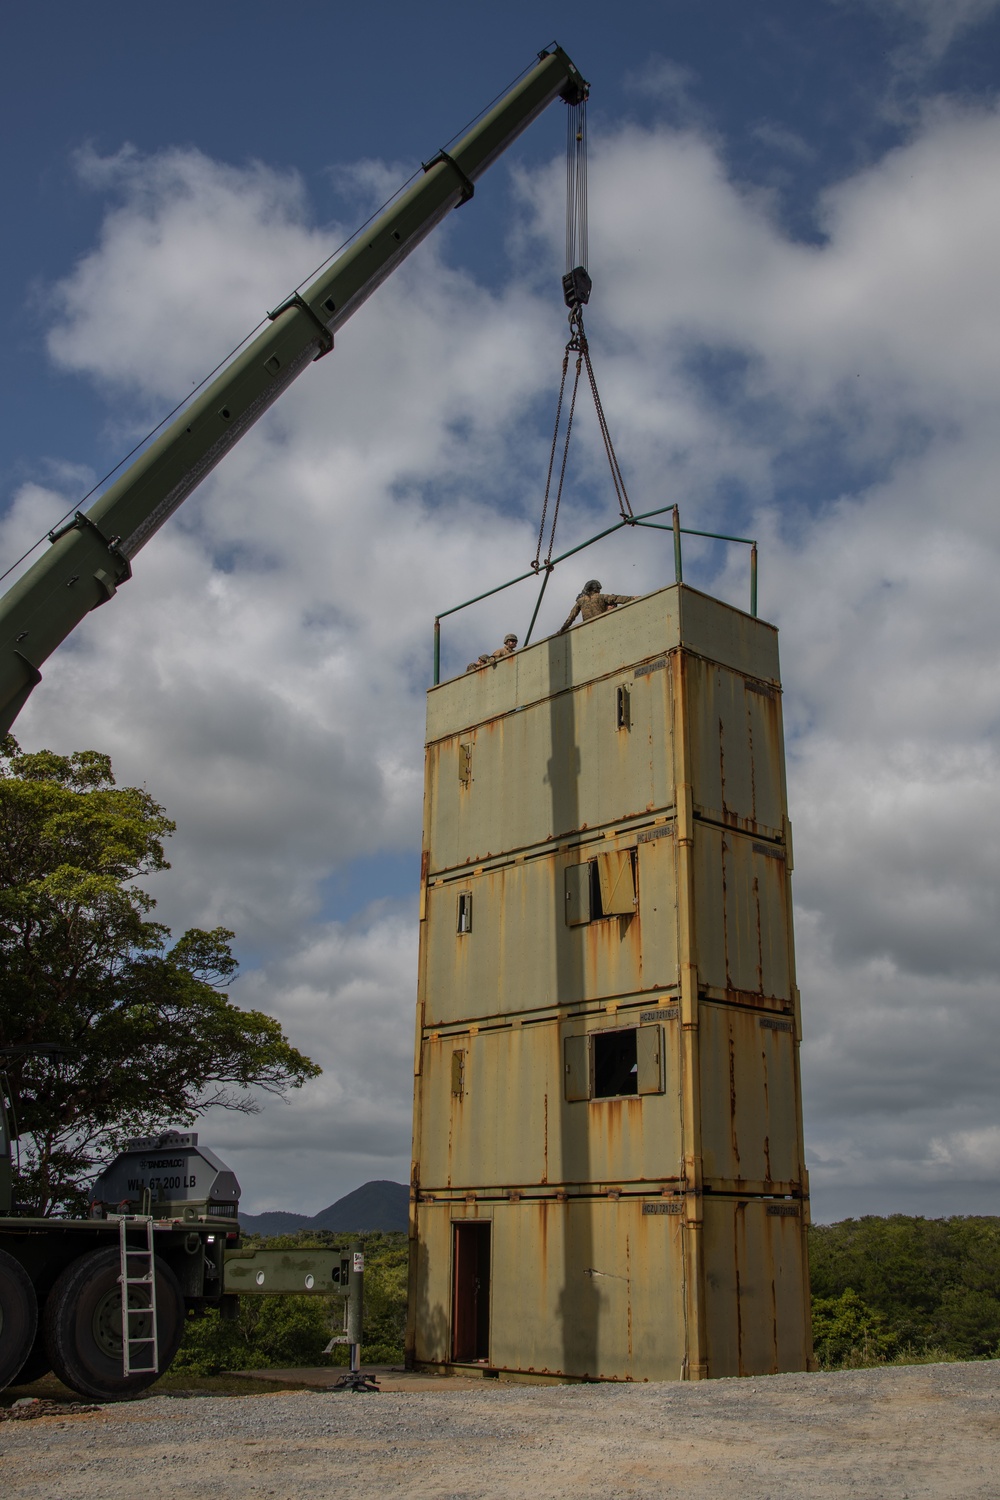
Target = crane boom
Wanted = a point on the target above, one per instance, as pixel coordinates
(91, 554)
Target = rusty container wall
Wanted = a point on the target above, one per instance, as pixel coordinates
(608, 1177)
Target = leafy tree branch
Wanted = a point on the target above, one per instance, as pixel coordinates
(139, 1031)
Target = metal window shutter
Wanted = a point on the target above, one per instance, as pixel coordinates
(649, 1059)
(576, 1056)
(577, 894)
(617, 888)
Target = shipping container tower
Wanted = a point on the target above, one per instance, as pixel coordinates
(608, 1175)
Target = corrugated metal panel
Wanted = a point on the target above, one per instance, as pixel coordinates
(742, 916)
(596, 1284)
(639, 630)
(514, 1125)
(736, 741)
(548, 772)
(725, 635)
(749, 1088)
(523, 952)
(540, 788)
(562, 661)
(754, 1275)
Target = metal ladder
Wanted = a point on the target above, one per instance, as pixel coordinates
(143, 1254)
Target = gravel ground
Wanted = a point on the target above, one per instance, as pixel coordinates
(931, 1430)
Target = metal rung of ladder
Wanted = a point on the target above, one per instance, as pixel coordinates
(143, 1255)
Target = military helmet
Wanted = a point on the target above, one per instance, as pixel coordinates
(593, 587)
(510, 637)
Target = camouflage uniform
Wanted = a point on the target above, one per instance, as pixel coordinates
(507, 649)
(592, 605)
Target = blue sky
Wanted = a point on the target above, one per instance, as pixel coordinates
(794, 233)
(799, 93)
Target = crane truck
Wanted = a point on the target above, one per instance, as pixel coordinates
(102, 1300)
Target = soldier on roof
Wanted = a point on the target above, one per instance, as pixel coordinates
(592, 603)
(507, 649)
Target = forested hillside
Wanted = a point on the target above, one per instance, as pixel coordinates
(905, 1288)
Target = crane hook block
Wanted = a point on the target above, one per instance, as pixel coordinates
(577, 287)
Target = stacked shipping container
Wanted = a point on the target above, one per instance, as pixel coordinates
(608, 1177)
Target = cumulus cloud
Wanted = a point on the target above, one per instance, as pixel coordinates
(253, 243)
(347, 995)
(264, 672)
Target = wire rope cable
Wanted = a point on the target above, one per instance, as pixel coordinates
(577, 227)
(576, 290)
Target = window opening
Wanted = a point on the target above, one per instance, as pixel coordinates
(465, 764)
(465, 911)
(612, 1064)
(616, 1063)
(458, 1074)
(602, 887)
(624, 708)
(596, 906)
(470, 1322)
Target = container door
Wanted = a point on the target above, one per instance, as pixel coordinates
(470, 1323)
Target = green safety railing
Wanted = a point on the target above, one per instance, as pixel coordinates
(547, 568)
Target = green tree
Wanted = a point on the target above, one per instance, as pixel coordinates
(146, 1036)
(268, 1333)
(288, 1332)
(847, 1334)
(935, 1282)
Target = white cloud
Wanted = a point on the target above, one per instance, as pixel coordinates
(264, 672)
(192, 257)
(347, 997)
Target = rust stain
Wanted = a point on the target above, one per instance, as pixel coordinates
(628, 1297)
(612, 1110)
(739, 1253)
(732, 1103)
(728, 814)
(725, 915)
(753, 768)
(760, 936)
(545, 1145)
(767, 1112)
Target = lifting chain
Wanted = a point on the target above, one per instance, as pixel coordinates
(579, 346)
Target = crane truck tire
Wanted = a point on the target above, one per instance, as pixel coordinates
(83, 1327)
(18, 1317)
(37, 1363)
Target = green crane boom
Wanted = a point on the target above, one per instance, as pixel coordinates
(91, 555)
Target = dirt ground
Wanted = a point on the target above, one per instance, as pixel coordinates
(931, 1430)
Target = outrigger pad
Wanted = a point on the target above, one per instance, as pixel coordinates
(355, 1381)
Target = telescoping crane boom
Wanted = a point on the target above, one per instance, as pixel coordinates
(103, 1300)
(91, 554)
